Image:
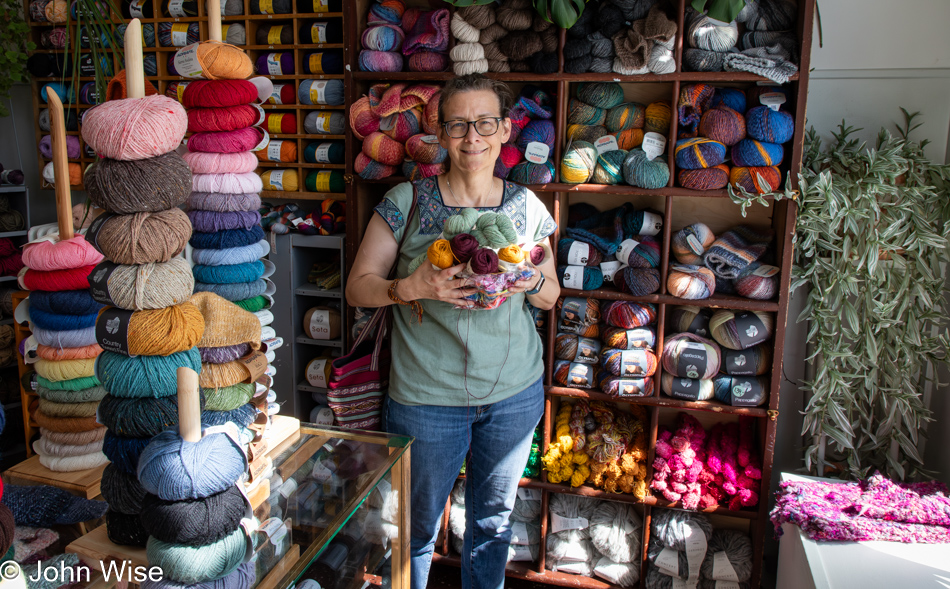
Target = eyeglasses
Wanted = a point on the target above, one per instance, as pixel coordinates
(485, 127)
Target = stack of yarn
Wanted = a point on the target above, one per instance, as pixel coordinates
(733, 263)
(530, 124)
(508, 37)
(621, 362)
(192, 509)
(611, 142)
(64, 350)
(719, 124)
(722, 355)
(598, 443)
(595, 538)
(11, 261)
(150, 329)
(398, 125)
(603, 40)
(525, 521)
(396, 36)
(618, 246)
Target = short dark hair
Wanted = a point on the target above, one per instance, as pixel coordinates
(474, 82)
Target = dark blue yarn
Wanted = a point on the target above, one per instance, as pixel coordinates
(229, 273)
(124, 452)
(606, 247)
(243, 416)
(59, 322)
(234, 292)
(226, 239)
(66, 302)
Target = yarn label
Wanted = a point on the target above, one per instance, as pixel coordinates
(640, 337)
(746, 392)
(322, 181)
(652, 224)
(388, 122)
(318, 93)
(317, 373)
(277, 179)
(320, 324)
(180, 90)
(559, 523)
(526, 494)
(773, 100)
(573, 311)
(668, 561)
(695, 551)
(273, 151)
(766, 271)
(686, 389)
(605, 144)
(316, 63)
(580, 375)
(519, 534)
(633, 363)
(322, 154)
(92, 233)
(318, 32)
(273, 35)
(275, 95)
(692, 359)
(324, 416)
(430, 139)
(630, 388)
(654, 145)
(574, 277)
(750, 329)
(99, 282)
(588, 350)
(261, 115)
(739, 363)
(179, 35)
(610, 268)
(273, 64)
(267, 6)
(537, 152)
(177, 8)
(699, 325)
(137, 8)
(256, 364)
(187, 64)
(727, 585)
(626, 249)
(323, 122)
(112, 330)
(578, 254)
(722, 568)
(519, 553)
(694, 244)
(321, 6)
(274, 123)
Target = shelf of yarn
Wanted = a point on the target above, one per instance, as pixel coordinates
(525, 571)
(716, 301)
(655, 401)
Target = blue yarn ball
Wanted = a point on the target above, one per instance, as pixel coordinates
(144, 376)
(197, 564)
(537, 130)
(124, 452)
(330, 62)
(332, 94)
(59, 322)
(593, 277)
(527, 173)
(226, 239)
(750, 153)
(230, 273)
(177, 470)
(699, 152)
(769, 125)
(234, 292)
(734, 99)
(745, 391)
(243, 416)
(234, 255)
(641, 172)
(64, 302)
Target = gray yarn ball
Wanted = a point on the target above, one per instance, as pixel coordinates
(661, 60)
(668, 527)
(704, 33)
(601, 65)
(634, 9)
(600, 46)
(769, 15)
(700, 60)
(337, 122)
(616, 531)
(656, 548)
(738, 549)
(578, 66)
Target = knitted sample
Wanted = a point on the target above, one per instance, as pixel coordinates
(44, 506)
(735, 249)
(226, 324)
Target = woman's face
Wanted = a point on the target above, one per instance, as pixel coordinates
(474, 152)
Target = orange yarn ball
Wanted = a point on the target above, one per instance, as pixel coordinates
(223, 61)
(363, 120)
(384, 149)
(281, 150)
(628, 139)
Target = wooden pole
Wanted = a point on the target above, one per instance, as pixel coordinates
(64, 201)
(214, 20)
(189, 405)
(134, 66)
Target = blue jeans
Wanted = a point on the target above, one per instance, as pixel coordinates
(497, 440)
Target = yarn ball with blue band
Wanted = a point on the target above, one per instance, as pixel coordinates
(699, 152)
(752, 153)
(769, 125)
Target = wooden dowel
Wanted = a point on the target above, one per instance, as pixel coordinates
(134, 65)
(189, 405)
(64, 201)
(214, 20)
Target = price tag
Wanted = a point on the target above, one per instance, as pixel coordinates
(668, 561)
(692, 360)
(318, 91)
(559, 523)
(766, 271)
(320, 324)
(605, 144)
(654, 145)
(611, 268)
(722, 568)
(273, 151)
(773, 100)
(277, 179)
(537, 152)
(574, 277)
(578, 254)
(187, 65)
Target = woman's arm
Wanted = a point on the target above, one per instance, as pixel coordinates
(550, 290)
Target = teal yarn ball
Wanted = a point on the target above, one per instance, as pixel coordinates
(577, 165)
(191, 565)
(600, 94)
(581, 113)
(609, 168)
(626, 116)
(324, 152)
(723, 124)
(752, 153)
(177, 470)
(741, 391)
(699, 152)
(527, 173)
(769, 125)
(592, 278)
(142, 377)
(641, 172)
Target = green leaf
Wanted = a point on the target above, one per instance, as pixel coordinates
(837, 435)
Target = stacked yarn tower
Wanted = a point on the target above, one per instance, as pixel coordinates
(149, 329)
(397, 36)
(192, 505)
(506, 37)
(530, 123)
(617, 246)
(63, 318)
(398, 125)
(627, 38)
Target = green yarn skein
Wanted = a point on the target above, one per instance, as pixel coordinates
(494, 230)
(460, 223)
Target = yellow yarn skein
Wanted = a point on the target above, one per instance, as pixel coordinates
(440, 254)
(59, 370)
(512, 253)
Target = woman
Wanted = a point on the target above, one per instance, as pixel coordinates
(464, 383)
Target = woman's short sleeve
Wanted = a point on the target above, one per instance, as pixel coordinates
(394, 208)
(539, 218)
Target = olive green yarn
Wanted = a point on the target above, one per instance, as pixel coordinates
(228, 398)
(95, 393)
(74, 384)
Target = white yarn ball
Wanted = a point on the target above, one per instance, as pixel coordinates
(463, 68)
(463, 31)
(616, 531)
(623, 574)
(661, 60)
(704, 33)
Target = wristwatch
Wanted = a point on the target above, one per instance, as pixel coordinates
(537, 287)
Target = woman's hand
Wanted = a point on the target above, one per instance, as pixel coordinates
(437, 285)
(527, 283)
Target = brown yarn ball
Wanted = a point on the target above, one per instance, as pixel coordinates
(520, 45)
(549, 40)
(65, 424)
(519, 66)
(480, 17)
(498, 66)
(75, 438)
(493, 53)
(492, 33)
(149, 185)
(144, 238)
(68, 409)
(515, 19)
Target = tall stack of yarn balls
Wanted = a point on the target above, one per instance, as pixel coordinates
(531, 122)
(722, 125)
(509, 36)
(149, 329)
(722, 355)
(622, 37)
(399, 38)
(598, 111)
(398, 125)
(610, 347)
(735, 263)
(765, 24)
(63, 315)
(617, 246)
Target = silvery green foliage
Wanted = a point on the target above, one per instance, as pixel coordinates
(871, 249)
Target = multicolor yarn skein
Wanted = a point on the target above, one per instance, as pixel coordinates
(758, 281)
(723, 124)
(753, 153)
(629, 315)
(637, 281)
(756, 180)
(683, 353)
(699, 152)
(577, 165)
(724, 326)
(638, 362)
(712, 178)
(691, 282)
(628, 339)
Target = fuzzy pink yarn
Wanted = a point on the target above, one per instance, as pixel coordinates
(247, 183)
(62, 255)
(241, 162)
(135, 128)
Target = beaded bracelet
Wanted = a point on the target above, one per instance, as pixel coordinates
(414, 305)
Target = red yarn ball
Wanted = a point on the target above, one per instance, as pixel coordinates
(213, 93)
(222, 119)
(226, 141)
(57, 280)
(280, 123)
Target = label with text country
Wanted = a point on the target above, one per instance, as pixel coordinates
(318, 32)
(692, 360)
(317, 372)
(187, 64)
(112, 330)
(578, 254)
(574, 278)
(605, 144)
(537, 152)
(610, 268)
(99, 282)
(179, 34)
(750, 330)
(654, 145)
(273, 151)
(559, 523)
(722, 568)
(277, 179)
(633, 362)
(588, 351)
(318, 92)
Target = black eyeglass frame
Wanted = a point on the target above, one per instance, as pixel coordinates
(469, 124)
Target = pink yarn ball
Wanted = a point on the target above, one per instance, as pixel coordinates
(241, 162)
(62, 255)
(428, 61)
(246, 183)
(135, 128)
(226, 141)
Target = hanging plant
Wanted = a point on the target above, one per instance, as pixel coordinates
(100, 20)
(563, 13)
(872, 248)
(15, 44)
(721, 10)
